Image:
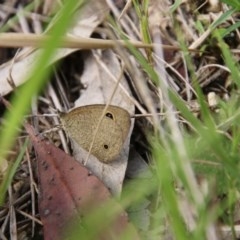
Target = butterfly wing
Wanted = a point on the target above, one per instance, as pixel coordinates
(81, 124)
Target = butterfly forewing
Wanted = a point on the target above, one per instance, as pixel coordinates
(81, 123)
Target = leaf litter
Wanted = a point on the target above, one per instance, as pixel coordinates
(89, 77)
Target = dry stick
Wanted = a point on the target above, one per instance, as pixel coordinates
(150, 114)
(36, 40)
(126, 7)
(34, 219)
(32, 184)
(12, 211)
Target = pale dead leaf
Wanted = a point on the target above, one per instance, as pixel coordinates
(99, 87)
(86, 20)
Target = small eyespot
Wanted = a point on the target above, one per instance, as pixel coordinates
(109, 115)
(105, 146)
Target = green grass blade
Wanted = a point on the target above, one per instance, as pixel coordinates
(11, 172)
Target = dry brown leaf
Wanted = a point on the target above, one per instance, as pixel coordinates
(68, 190)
